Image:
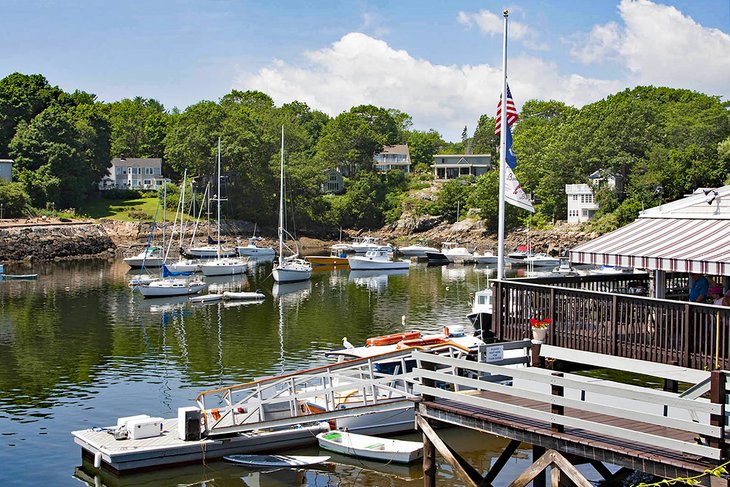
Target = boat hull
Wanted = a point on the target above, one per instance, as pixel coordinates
(249, 295)
(365, 264)
(137, 262)
(482, 323)
(223, 268)
(372, 447)
(286, 274)
(159, 291)
(263, 252)
(210, 252)
(326, 260)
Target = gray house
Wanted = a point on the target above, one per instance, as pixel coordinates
(452, 166)
(396, 157)
(133, 173)
(6, 169)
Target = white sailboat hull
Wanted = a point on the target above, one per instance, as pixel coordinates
(364, 263)
(170, 287)
(224, 267)
(253, 251)
(210, 252)
(286, 273)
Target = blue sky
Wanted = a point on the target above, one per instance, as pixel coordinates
(439, 61)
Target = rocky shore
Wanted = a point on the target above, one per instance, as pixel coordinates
(46, 240)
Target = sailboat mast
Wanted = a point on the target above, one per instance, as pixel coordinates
(281, 202)
(502, 155)
(218, 199)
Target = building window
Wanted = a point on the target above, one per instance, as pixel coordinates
(575, 197)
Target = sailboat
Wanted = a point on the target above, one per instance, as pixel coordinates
(222, 266)
(253, 250)
(292, 268)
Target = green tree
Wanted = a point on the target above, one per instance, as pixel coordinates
(422, 147)
(138, 127)
(22, 97)
(452, 198)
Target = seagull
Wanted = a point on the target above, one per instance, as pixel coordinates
(346, 343)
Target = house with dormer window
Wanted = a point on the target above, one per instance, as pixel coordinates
(134, 173)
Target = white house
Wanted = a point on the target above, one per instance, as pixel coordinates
(6, 169)
(396, 157)
(334, 184)
(581, 202)
(452, 166)
(133, 173)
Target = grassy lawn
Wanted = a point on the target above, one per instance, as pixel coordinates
(138, 209)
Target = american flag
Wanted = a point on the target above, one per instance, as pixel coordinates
(511, 112)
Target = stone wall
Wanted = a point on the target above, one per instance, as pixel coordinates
(53, 242)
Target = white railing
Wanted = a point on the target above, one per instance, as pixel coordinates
(440, 377)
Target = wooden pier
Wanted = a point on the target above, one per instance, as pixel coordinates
(571, 419)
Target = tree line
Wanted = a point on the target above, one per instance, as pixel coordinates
(646, 137)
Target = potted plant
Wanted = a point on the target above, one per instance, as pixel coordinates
(539, 329)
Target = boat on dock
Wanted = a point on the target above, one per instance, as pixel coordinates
(371, 447)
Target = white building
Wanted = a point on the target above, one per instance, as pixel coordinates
(396, 157)
(452, 166)
(6, 169)
(581, 202)
(133, 173)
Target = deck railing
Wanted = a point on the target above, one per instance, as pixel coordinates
(578, 405)
(659, 330)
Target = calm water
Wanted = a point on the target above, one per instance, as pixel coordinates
(78, 349)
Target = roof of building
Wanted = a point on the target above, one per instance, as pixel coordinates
(688, 235)
(395, 149)
(137, 162)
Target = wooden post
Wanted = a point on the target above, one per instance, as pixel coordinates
(535, 359)
(429, 462)
(688, 334)
(497, 322)
(557, 390)
(540, 478)
(551, 329)
(717, 396)
(613, 339)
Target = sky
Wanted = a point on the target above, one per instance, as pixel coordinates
(438, 61)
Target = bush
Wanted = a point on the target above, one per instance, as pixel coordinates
(14, 200)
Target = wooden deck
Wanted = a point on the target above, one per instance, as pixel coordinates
(663, 433)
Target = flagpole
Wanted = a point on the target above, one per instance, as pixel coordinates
(502, 154)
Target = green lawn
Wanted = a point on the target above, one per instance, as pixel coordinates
(138, 209)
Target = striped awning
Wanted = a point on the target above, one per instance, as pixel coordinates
(668, 244)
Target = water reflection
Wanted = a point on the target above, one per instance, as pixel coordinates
(78, 348)
(375, 280)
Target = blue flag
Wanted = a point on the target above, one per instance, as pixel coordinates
(510, 157)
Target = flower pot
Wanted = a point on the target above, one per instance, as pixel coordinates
(539, 334)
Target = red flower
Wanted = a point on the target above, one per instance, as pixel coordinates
(543, 323)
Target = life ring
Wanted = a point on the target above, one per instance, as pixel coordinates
(392, 338)
(421, 342)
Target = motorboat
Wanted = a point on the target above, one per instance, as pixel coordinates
(292, 268)
(451, 252)
(541, 259)
(253, 250)
(452, 335)
(372, 447)
(416, 250)
(149, 257)
(376, 260)
(485, 258)
(521, 253)
(481, 313)
(363, 244)
(565, 268)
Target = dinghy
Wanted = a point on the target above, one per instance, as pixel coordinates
(244, 295)
(275, 461)
(373, 447)
(206, 298)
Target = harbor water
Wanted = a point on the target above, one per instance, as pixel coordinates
(79, 348)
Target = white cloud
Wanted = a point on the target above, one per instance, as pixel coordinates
(493, 24)
(659, 45)
(358, 69)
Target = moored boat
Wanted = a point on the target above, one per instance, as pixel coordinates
(376, 260)
(336, 258)
(416, 250)
(171, 287)
(481, 313)
(244, 295)
(372, 447)
(149, 257)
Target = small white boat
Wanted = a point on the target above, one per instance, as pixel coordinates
(450, 252)
(565, 268)
(210, 252)
(206, 298)
(521, 253)
(243, 295)
(481, 313)
(364, 244)
(376, 260)
(149, 257)
(253, 250)
(276, 461)
(224, 266)
(416, 250)
(185, 265)
(485, 258)
(541, 259)
(372, 447)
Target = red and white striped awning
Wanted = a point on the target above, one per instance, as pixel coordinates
(668, 244)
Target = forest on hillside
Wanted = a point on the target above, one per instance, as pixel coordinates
(646, 137)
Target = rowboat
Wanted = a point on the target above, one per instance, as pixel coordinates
(373, 447)
(276, 461)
